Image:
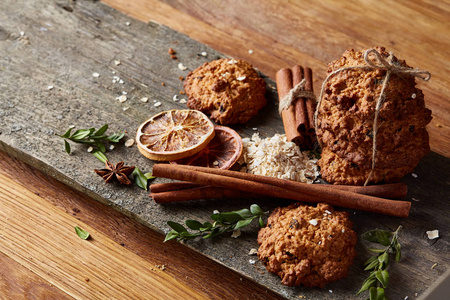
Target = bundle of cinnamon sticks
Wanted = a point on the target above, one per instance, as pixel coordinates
(206, 183)
(298, 118)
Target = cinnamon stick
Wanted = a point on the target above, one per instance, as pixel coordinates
(172, 186)
(284, 85)
(307, 192)
(199, 192)
(301, 115)
(310, 103)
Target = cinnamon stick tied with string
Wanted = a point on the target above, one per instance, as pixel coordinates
(297, 105)
(279, 188)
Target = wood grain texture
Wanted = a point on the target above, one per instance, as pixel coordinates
(94, 268)
(181, 263)
(284, 33)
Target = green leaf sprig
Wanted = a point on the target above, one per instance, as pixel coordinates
(379, 277)
(223, 222)
(92, 137)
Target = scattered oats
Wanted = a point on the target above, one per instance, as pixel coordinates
(183, 101)
(277, 157)
(157, 104)
(95, 74)
(236, 233)
(114, 72)
(111, 147)
(328, 212)
(71, 126)
(415, 294)
(121, 81)
(414, 199)
(22, 33)
(232, 62)
(125, 108)
(122, 98)
(313, 222)
(255, 128)
(50, 87)
(204, 54)
(252, 261)
(215, 163)
(154, 101)
(343, 230)
(240, 78)
(414, 175)
(413, 96)
(434, 266)
(127, 23)
(433, 234)
(175, 98)
(117, 62)
(250, 51)
(129, 143)
(406, 298)
(124, 93)
(144, 99)
(331, 291)
(181, 67)
(319, 243)
(253, 251)
(216, 212)
(90, 149)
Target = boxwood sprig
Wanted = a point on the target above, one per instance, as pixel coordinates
(223, 222)
(377, 265)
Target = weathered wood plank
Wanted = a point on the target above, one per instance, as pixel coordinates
(32, 114)
(182, 263)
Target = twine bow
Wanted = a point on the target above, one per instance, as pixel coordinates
(380, 63)
(297, 91)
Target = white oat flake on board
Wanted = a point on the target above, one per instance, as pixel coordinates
(277, 157)
(433, 234)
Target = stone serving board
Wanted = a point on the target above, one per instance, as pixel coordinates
(49, 51)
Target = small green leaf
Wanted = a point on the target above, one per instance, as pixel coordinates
(376, 250)
(383, 237)
(370, 260)
(242, 223)
(193, 224)
(377, 293)
(100, 156)
(368, 283)
(149, 175)
(100, 146)
(244, 213)
(67, 134)
(372, 265)
(80, 134)
(102, 130)
(139, 178)
(171, 235)
(375, 236)
(213, 233)
(67, 146)
(261, 222)
(81, 233)
(383, 277)
(227, 217)
(256, 210)
(206, 226)
(115, 138)
(176, 226)
(398, 253)
(384, 258)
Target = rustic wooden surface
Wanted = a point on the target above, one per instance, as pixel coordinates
(31, 114)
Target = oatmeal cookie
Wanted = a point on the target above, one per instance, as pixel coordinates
(346, 117)
(228, 90)
(306, 245)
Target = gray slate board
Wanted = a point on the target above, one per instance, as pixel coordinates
(62, 43)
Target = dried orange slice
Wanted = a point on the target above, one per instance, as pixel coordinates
(222, 152)
(174, 134)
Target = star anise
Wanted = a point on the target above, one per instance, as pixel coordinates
(119, 171)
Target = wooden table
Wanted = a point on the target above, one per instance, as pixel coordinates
(130, 259)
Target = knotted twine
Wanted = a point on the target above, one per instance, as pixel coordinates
(297, 91)
(380, 63)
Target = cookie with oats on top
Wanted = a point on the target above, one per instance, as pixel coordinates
(229, 91)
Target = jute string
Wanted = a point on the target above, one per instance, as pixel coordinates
(297, 91)
(391, 67)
